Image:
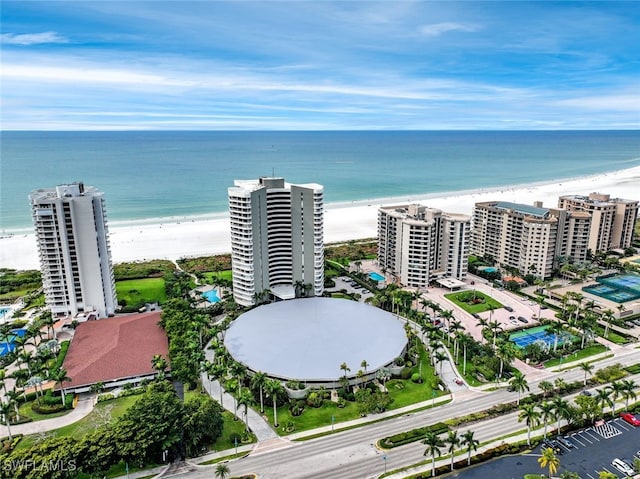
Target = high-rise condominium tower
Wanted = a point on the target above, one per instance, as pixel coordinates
(73, 243)
(612, 219)
(530, 238)
(418, 244)
(277, 244)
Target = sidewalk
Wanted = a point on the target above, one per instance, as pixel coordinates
(84, 407)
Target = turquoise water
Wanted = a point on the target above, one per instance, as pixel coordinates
(8, 345)
(376, 277)
(161, 174)
(490, 269)
(211, 296)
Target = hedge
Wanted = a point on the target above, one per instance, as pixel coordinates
(413, 435)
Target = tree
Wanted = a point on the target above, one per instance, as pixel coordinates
(345, 368)
(587, 368)
(471, 443)
(159, 364)
(383, 374)
(606, 475)
(518, 383)
(257, 382)
(273, 389)
(550, 460)
(603, 399)
(222, 471)
(560, 409)
(628, 391)
(506, 352)
(433, 443)
(364, 365)
(5, 410)
(530, 416)
(453, 441)
(60, 377)
(607, 316)
(546, 413)
(440, 357)
(546, 387)
(245, 398)
(203, 423)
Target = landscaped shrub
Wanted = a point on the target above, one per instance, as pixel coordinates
(296, 408)
(314, 399)
(413, 435)
(416, 378)
(406, 373)
(610, 373)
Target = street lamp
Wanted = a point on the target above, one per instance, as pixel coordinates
(384, 458)
(333, 419)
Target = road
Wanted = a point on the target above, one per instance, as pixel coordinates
(352, 454)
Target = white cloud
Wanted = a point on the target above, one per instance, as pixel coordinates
(436, 29)
(605, 102)
(25, 39)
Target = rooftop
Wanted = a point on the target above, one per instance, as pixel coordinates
(524, 209)
(114, 348)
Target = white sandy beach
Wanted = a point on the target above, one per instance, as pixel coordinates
(348, 221)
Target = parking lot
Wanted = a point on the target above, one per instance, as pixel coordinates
(586, 452)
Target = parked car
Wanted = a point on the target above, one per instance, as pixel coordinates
(475, 315)
(509, 308)
(565, 442)
(622, 466)
(553, 445)
(586, 393)
(630, 418)
(522, 319)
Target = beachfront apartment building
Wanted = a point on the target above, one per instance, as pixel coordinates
(530, 238)
(73, 245)
(277, 239)
(418, 244)
(612, 219)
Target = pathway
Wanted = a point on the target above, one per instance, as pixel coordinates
(84, 407)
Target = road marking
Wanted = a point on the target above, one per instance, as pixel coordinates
(573, 436)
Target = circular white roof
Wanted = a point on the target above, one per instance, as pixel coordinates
(308, 339)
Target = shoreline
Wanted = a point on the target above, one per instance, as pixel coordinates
(191, 236)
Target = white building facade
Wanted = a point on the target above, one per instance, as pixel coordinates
(73, 244)
(417, 244)
(277, 239)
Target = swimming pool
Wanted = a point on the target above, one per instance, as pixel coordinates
(9, 344)
(490, 269)
(376, 277)
(3, 311)
(211, 296)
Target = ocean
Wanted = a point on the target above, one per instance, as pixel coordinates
(151, 175)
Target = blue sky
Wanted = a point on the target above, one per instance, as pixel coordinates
(320, 65)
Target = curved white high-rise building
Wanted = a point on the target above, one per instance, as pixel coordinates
(73, 243)
(277, 239)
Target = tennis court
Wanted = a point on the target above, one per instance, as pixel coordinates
(619, 288)
(528, 336)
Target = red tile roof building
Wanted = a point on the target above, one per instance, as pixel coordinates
(114, 351)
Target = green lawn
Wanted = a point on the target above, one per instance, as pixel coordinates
(139, 291)
(26, 411)
(578, 355)
(88, 423)
(210, 276)
(484, 302)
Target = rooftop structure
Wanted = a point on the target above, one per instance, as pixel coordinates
(612, 219)
(114, 351)
(73, 244)
(418, 244)
(277, 239)
(528, 237)
(308, 339)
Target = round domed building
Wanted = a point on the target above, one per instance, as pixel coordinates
(309, 339)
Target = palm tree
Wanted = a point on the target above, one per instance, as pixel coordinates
(628, 391)
(13, 397)
(345, 368)
(454, 441)
(484, 325)
(222, 471)
(440, 357)
(257, 382)
(495, 327)
(530, 416)
(606, 475)
(587, 368)
(465, 340)
(560, 409)
(616, 389)
(556, 328)
(546, 413)
(433, 443)
(5, 410)
(60, 377)
(550, 460)
(506, 352)
(245, 398)
(519, 384)
(364, 365)
(607, 316)
(471, 443)
(603, 398)
(546, 387)
(273, 388)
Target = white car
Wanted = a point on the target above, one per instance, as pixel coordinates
(623, 467)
